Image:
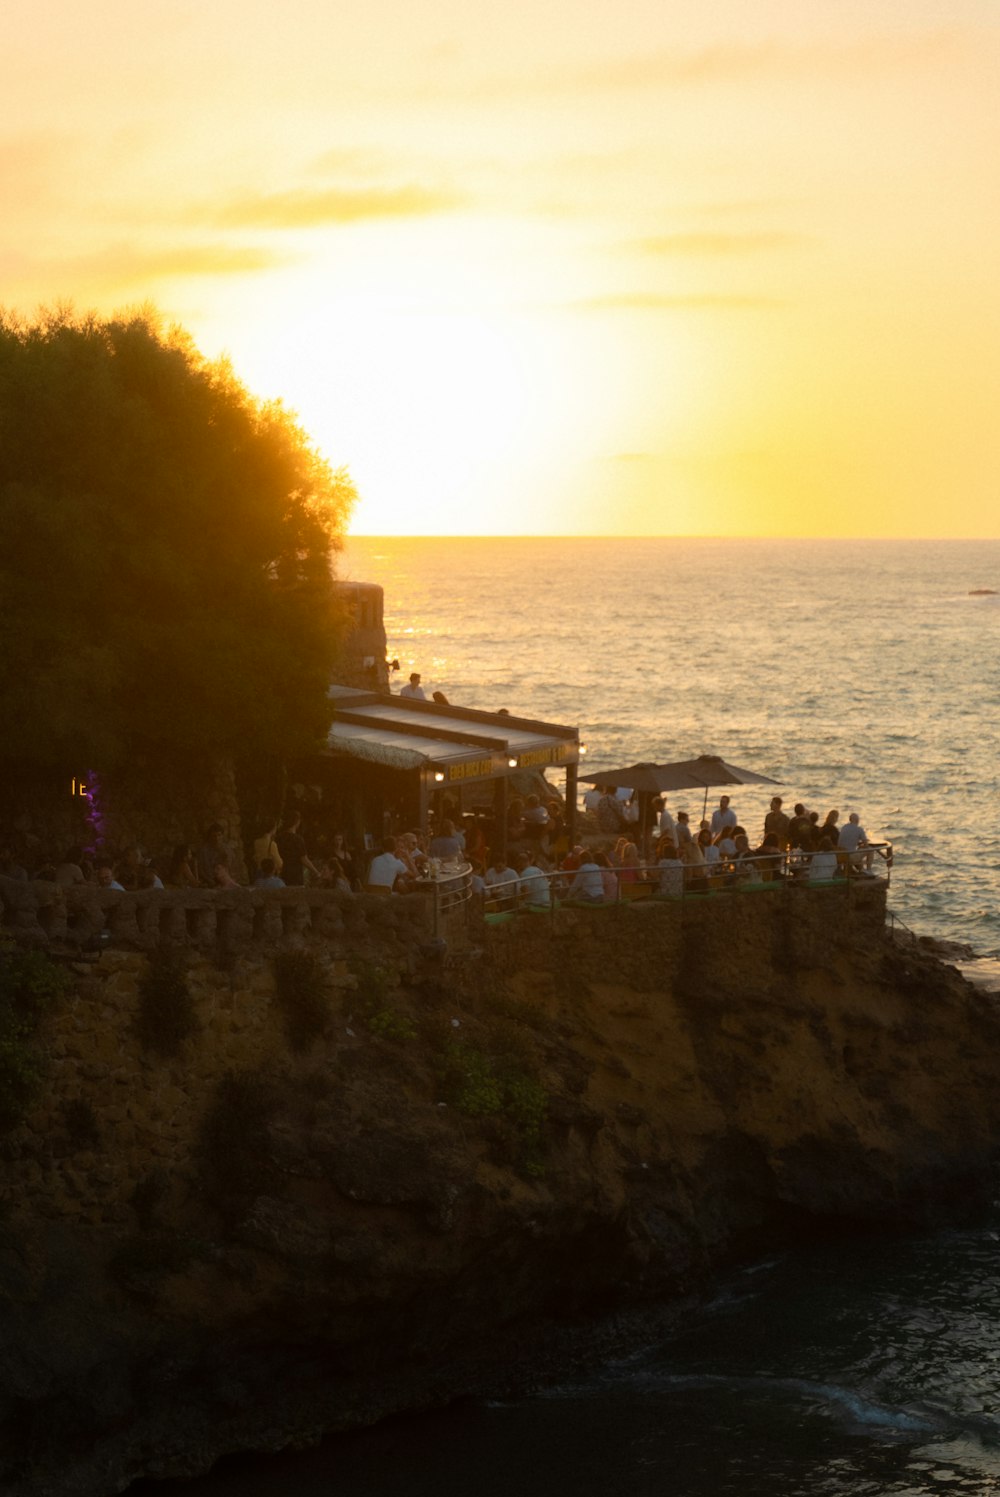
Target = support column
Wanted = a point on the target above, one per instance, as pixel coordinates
(500, 813)
(571, 774)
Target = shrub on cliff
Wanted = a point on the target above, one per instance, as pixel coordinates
(166, 1016)
(29, 985)
(165, 549)
(301, 987)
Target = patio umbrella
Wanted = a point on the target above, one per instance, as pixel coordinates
(709, 770)
(646, 780)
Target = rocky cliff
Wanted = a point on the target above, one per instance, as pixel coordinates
(275, 1190)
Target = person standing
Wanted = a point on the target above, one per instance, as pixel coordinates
(723, 817)
(292, 851)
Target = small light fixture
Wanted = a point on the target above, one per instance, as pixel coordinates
(512, 763)
(438, 775)
(583, 748)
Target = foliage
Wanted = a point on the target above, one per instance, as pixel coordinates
(165, 548)
(233, 1143)
(496, 1086)
(166, 1016)
(301, 987)
(29, 985)
(374, 1008)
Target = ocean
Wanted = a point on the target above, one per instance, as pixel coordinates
(862, 675)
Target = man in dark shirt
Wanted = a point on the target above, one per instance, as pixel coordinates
(294, 858)
(776, 821)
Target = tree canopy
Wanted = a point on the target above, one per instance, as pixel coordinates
(165, 551)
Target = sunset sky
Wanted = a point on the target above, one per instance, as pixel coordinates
(647, 267)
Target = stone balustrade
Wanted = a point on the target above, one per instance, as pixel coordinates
(86, 918)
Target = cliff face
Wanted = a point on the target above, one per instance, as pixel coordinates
(262, 1238)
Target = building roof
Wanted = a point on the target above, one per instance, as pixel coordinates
(459, 743)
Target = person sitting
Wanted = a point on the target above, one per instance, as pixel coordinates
(147, 877)
(853, 837)
(588, 884)
(182, 871)
(447, 844)
(387, 873)
(769, 857)
(823, 864)
(830, 828)
(745, 869)
(609, 878)
(222, 878)
(501, 883)
(129, 864)
(532, 885)
(413, 689)
(267, 875)
(340, 851)
(332, 875)
(409, 851)
(629, 869)
(105, 873)
(670, 868)
(709, 848)
(695, 872)
(70, 871)
(682, 832)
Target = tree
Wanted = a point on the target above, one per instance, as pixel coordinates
(165, 552)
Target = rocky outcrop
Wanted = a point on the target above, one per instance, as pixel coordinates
(254, 1240)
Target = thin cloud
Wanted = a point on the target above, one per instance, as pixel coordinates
(306, 209)
(126, 264)
(738, 62)
(700, 243)
(769, 60)
(690, 302)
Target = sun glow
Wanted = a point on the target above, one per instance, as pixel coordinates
(441, 368)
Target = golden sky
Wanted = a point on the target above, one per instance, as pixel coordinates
(642, 267)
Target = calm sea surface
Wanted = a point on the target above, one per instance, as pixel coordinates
(863, 675)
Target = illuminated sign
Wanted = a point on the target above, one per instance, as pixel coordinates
(476, 769)
(543, 756)
(77, 787)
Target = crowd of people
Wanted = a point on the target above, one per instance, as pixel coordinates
(529, 865)
(715, 854)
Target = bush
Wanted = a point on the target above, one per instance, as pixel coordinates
(485, 1086)
(301, 988)
(166, 1016)
(374, 1009)
(234, 1142)
(30, 984)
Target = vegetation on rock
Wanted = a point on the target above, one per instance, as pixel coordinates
(301, 987)
(29, 985)
(166, 1015)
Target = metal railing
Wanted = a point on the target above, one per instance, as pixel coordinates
(674, 880)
